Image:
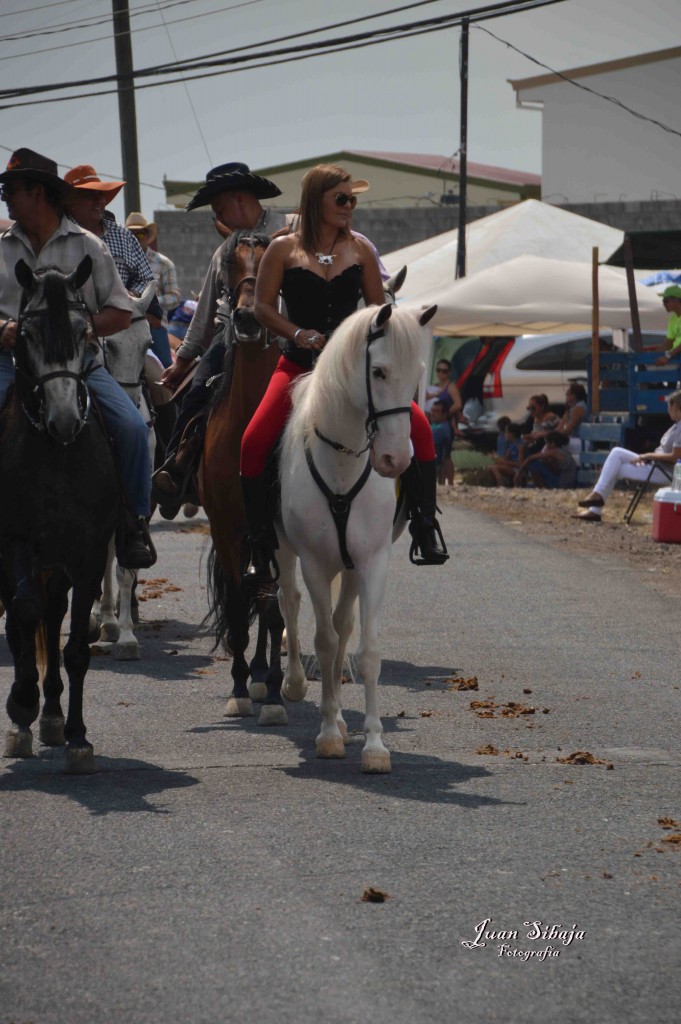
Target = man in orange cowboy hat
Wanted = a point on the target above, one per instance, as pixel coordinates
(43, 236)
(87, 204)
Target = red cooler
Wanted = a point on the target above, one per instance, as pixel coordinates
(667, 516)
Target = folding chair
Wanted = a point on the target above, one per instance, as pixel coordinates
(642, 486)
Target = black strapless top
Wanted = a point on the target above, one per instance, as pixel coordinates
(317, 304)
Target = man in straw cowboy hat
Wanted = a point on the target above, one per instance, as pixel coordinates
(233, 192)
(167, 289)
(43, 236)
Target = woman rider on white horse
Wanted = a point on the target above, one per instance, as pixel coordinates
(322, 270)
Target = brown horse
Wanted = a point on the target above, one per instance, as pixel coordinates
(235, 400)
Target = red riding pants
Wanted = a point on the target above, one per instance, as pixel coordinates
(270, 419)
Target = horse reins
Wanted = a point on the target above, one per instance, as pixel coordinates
(340, 504)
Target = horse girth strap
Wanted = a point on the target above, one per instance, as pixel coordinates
(339, 504)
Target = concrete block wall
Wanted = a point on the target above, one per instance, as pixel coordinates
(190, 239)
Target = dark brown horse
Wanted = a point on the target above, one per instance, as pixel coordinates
(236, 399)
(59, 509)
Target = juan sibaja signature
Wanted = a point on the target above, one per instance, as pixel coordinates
(536, 931)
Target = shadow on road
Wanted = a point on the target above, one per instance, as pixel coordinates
(120, 785)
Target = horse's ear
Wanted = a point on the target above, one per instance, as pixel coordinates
(381, 317)
(24, 275)
(148, 294)
(394, 283)
(427, 315)
(80, 275)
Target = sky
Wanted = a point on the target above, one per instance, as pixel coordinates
(400, 96)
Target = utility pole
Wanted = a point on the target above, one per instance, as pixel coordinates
(126, 105)
(463, 143)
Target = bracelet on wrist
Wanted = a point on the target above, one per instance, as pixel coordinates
(295, 336)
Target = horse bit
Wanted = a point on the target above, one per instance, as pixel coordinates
(340, 504)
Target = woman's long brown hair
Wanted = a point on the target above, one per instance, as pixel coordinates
(316, 182)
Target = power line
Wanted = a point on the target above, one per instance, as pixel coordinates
(91, 22)
(329, 46)
(221, 10)
(41, 7)
(144, 28)
(585, 88)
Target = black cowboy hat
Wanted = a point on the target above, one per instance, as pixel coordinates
(24, 163)
(232, 177)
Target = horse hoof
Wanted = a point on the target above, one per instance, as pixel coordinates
(80, 760)
(294, 691)
(343, 731)
(376, 762)
(257, 691)
(52, 731)
(330, 746)
(239, 707)
(94, 630)
(109, 633)
(273, 714)
(19, 742)
(126, 652)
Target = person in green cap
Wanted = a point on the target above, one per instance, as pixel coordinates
(671, 300)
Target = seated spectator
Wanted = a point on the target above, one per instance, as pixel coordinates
(502, 441)
(552, 467)
(622, 464)
(506, 465)
(575, 411)
(442, 438)
(543, 420)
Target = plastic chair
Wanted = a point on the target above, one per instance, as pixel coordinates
(642, 486)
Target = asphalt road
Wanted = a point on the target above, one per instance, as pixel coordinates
(213, 871)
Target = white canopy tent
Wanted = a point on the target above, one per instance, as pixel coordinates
(530, 228)
(532, 295)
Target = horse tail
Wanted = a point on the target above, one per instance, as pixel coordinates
(229, 611)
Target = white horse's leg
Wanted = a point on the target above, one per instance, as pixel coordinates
(109, 631)
(294, 686)
(343, 622)
(127, 648)
(330, 739)
(375, 756)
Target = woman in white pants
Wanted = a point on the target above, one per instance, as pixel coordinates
(622, 464)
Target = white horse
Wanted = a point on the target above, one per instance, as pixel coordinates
(336, 514)
(124, 357)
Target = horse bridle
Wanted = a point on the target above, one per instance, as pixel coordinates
(340, 504)
(373, 415)
(37, 384)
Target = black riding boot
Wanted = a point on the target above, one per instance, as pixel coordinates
(173, 484)
(134, 546)
(256, 505)
(419, 482)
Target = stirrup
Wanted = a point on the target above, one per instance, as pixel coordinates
(419, 530)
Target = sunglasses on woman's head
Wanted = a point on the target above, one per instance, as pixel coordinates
(342, 199)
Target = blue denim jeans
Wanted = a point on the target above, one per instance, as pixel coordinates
(160, 345)
(129, 433)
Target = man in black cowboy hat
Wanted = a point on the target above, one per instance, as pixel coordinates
(234, 193)
(43, 236)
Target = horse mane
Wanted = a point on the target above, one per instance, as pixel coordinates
(258, 239)
(324, 391)
(58, 341)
